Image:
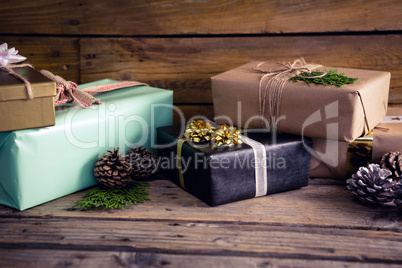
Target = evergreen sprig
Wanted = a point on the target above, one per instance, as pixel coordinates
(114, 198)
(330, 78)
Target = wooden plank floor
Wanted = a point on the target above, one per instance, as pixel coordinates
(317, 226)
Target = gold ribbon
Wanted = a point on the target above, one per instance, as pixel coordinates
(279, 76)
(359, 153)
(198, 131)
(179, 165)
(225, 135)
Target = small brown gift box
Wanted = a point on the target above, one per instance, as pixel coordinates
(337, 159)
(18, 112)
(317, 111)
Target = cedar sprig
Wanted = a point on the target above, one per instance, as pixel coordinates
(114, 198)
(330, 78)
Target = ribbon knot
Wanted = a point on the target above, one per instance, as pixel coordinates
(295, 68)
(67, 91)
(279, 74)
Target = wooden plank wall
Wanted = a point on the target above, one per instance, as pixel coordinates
(179, 45)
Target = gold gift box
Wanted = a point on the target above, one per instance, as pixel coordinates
(18, 112)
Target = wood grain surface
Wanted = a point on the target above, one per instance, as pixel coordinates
(186, 65)
(171, 17)
(321, 224)
(179, 45)
(323, 198)
(57, 55)
(107, 259)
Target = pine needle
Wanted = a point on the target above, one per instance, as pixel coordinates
(114, 198)
(330, 78)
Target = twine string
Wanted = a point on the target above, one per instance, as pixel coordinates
(67, 91)
(9, 70)
(274, 86)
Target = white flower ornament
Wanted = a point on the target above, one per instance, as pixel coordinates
(8, 56)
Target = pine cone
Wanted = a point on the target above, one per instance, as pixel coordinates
(398, 195)
(113, 170)
(372, 184)
(142, 162)
(393, 162)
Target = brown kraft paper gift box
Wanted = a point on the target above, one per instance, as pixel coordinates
(317, 111)
(18, 112)
(341, 159)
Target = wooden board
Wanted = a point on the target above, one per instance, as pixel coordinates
(12, 258)
(179, 45)
(57, 55)
(203, 238)
(308, 206)
(185, 113)
(185, 65)
(317, 226)
(171, 17)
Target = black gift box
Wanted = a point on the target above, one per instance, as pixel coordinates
(226, 174)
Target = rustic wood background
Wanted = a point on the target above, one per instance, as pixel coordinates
(316, 226)
(179, 45)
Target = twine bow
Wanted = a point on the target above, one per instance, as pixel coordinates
(67, 91)
(279, 76)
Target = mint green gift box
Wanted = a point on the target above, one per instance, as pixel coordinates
(42, 164)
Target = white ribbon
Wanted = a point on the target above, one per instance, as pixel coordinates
(8, 56)
(261, 175)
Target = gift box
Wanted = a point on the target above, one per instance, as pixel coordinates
(39, 165)
(340, 159)
(337, 159)
(387, 136)
(19, 112)
(245, 97)
(232, 173)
